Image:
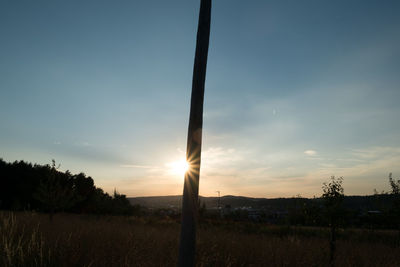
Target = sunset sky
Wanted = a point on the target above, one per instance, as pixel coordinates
(296, 91)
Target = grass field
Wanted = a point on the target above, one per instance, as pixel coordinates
(31, 239)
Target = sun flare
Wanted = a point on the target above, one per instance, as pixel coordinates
(178, 167)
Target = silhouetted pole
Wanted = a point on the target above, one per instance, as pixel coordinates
(187, 247)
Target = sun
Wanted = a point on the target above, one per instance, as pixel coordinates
(178, 167)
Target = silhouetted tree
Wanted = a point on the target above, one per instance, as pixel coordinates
(17, 182)
(84, 190)
(333, 195)
(395, 185)
(395, 192)
(55, 191)
(45, 188)
(121, 204)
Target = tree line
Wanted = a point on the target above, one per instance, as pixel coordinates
(45, 188)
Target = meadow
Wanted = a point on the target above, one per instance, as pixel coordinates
(31, 239)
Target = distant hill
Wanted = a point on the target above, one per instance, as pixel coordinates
(157, 201)
(372, 202)
(175, 201)
(212, 202)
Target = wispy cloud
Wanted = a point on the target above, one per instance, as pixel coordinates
(310, 152)
(136, 166)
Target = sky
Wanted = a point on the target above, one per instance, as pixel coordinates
(296, 91)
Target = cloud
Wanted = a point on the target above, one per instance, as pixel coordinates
(270, 174)
(220, 161)
(136, 166)
(310, 152)
(87, 152)
(220, 156)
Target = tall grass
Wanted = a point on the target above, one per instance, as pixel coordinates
(20, 246)
(30, 239)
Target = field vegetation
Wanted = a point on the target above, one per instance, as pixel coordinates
(31, 239)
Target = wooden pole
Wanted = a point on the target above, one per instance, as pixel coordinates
(187, 246)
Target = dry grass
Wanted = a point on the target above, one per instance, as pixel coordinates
(30, 239)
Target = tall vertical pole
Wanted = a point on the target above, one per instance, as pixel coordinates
(187, 246)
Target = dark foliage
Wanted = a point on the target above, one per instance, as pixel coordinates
(24, 186)
(333, 197)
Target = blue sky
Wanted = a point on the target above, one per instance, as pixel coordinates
(296, 91)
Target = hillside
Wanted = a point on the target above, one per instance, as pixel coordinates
(362, 203)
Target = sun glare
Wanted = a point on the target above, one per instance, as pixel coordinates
(178, 167)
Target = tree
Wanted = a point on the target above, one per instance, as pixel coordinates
(395, 192)
(333, 195)
(55, 191)
(395, 185)
(193, 151)
(45, 188)
(121, 204)
(84, 189)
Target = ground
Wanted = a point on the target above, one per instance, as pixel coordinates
(31, 239)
